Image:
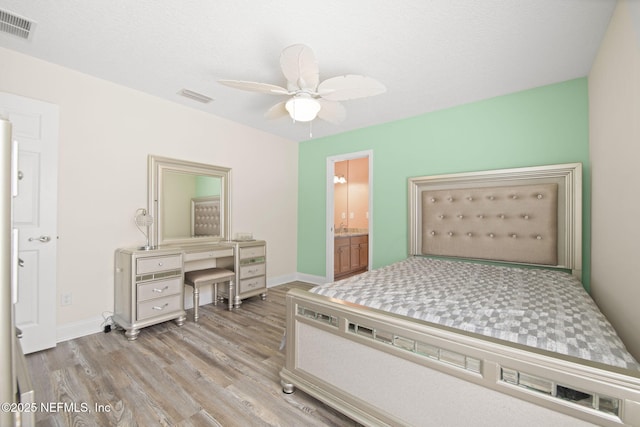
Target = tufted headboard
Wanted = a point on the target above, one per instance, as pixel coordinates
(205, 216)
(527, 216)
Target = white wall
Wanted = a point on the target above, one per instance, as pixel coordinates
(106, 133)
(614, 103)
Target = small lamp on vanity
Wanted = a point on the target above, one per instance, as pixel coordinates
(143, 219)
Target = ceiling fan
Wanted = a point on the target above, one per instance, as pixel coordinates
(308, 97)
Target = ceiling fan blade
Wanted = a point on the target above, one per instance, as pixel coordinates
(277, 111)
(350, 86)
(300, 67)
(255, 87)
(331, 111)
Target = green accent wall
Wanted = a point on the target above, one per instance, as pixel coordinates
(207, 186)
(545, 125)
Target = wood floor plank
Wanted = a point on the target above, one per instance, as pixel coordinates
(221, 371)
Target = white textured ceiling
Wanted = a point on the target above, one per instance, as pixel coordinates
(431, 54)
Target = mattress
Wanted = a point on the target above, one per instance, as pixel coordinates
(546, 309)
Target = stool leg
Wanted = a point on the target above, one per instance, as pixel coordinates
(215, 294)
(231, 294)
(196, 303)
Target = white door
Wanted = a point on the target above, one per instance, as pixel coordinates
(35, 128)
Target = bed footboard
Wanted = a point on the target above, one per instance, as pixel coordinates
(383, 369)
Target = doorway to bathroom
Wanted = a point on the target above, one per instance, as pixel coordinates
(349, 214)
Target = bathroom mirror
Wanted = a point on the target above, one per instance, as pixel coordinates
(188, 201)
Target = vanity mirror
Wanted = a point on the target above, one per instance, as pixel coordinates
(189, 201)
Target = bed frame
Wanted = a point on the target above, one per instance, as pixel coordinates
(384, 369)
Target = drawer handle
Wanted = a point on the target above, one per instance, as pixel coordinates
(255, 270)
(161, 290)
(159, 263)
(160, 308)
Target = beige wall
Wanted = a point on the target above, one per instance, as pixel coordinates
(106, 133)
(614, 103)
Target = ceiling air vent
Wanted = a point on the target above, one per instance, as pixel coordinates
(195, 96)
(15, 25)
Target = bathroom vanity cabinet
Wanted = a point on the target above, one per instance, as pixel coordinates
(351, 255)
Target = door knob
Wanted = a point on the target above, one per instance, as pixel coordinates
(43, 239)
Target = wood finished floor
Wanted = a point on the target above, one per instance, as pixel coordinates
(222, 371)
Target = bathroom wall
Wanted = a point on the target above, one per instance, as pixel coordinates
(351, 199)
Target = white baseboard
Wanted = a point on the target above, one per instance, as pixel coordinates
(281, 280)
(73, 330)
(309, 278)
(296, 277)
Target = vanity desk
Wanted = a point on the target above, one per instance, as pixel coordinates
(149, 284)
(188, 221)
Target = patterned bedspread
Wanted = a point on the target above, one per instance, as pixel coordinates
(546, 309)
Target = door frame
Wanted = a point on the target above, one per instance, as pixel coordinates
(331, 161)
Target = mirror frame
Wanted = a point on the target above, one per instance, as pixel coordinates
(156, 168)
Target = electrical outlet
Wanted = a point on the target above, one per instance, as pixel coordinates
(65, 299)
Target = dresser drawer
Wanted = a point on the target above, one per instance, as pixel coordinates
(159, 306)
(247, 285)
(159, 288)
(252, 252)
(160, 263)
(252, 270)
(214, 253)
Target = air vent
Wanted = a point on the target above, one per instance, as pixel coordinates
(16, 25)
(195, 96)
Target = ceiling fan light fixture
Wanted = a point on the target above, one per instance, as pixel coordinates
(310, 98)
(303, 108)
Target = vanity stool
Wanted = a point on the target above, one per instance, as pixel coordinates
(209, 276)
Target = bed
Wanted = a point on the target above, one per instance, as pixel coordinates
(485, 323)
